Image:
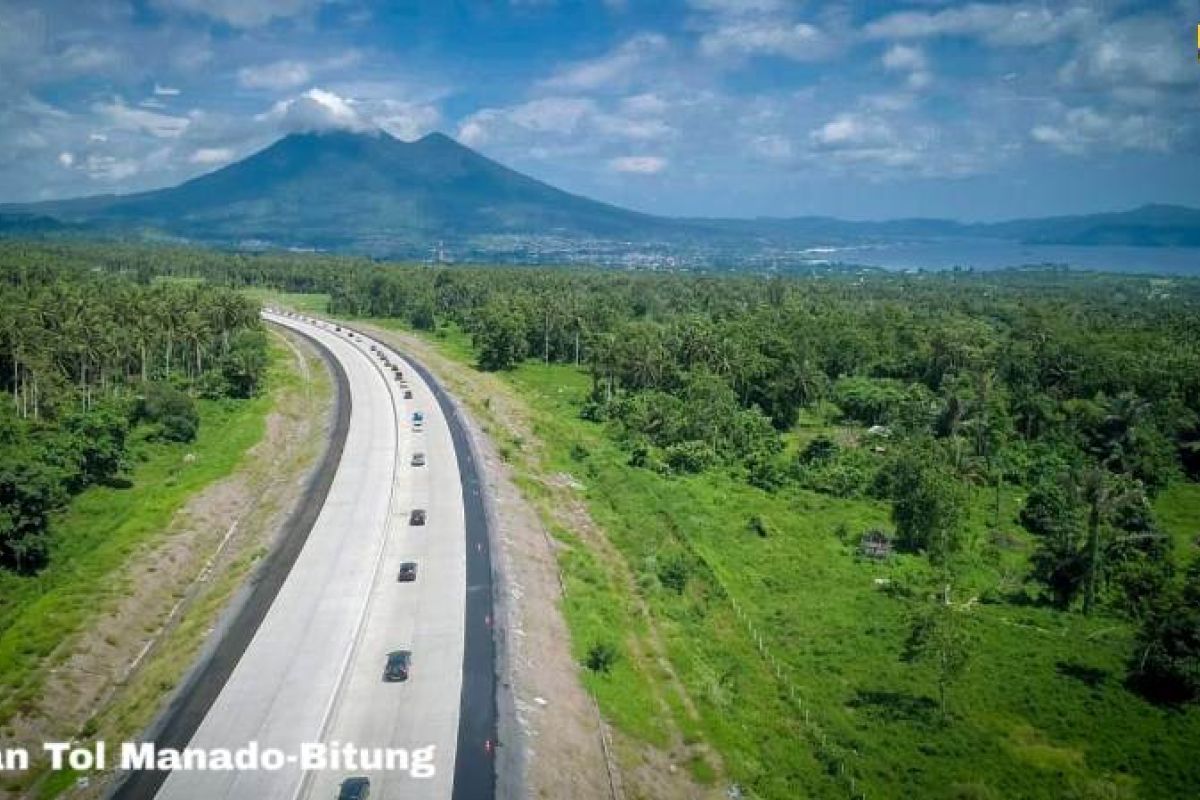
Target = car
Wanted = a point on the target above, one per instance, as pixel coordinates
(408, 572)
(418, 416)
(417, 517)
(398, 376)
(408, 394)
(399, 662)
(418, 459)
(355, 789)
(337, 328)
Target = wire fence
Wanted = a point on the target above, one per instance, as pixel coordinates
(839, 761)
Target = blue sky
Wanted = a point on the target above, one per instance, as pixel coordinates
(686, 107)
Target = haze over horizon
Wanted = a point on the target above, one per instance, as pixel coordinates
(685, 108)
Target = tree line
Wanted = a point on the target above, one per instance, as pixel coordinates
(1081, 389)
(88, 359)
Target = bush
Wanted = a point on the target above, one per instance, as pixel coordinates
(673, 574)
(600, 657)
(172, 410)
(690, 457)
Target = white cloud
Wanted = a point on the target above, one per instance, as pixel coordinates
(799, 41)
(242, 13)
(315, 110)
(611, 71)
(165, 91)
(1142, 53)
(276, 76)
(1083, 130)
(638, 165)
(110, 169)
(67, 159)
(88, 58)
(647, 103)
(1013, 25)
(903, 58)
(407, 121)
(580, 119)
(211, 155)
(738, 7)
(909, 60)
(772, 147)
(123, 117)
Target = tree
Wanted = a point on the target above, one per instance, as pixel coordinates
(1166, 662)
(500, 338)
(928, 505)
(939, 636)
(1053, 514)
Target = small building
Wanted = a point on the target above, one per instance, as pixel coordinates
(875, 544)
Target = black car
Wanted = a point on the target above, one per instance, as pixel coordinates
(408, 394)
(417, 517)
(355, 789)
(408, 572)
(398, 664)
(418, 459)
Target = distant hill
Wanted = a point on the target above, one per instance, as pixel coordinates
(371, 193)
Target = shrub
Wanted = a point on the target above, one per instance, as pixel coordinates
(172, 410)
(690, 457)
(600, 657)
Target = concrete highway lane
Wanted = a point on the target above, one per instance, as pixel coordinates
(314, 670)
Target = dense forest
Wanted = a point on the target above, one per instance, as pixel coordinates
(88, 361)
(1083, 390)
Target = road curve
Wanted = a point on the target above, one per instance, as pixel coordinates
(313, 670)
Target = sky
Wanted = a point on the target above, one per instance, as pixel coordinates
(862, 110)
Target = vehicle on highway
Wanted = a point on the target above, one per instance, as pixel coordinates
(408, 572)
(408, 394)
(398, 376)
(418, 416)
(418, 459)
(355, 789)
(398, 664)
(417, 517)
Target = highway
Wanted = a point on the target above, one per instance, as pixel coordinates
(313, 669)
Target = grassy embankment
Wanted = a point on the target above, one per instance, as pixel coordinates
(104, 527)
(1041, 711)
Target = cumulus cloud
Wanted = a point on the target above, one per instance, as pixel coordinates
(211, 155)
(638, 165)
(799, 41)
(242, 13)
(1083, 130)
(276, 76)
(909, 60)
(67, 159)
(314, 111)
(1131, 56)
(582, 119)
(165, 91)
(318, 110)
(999, 24)
(123, 117)
(611, 71)
(738, 7)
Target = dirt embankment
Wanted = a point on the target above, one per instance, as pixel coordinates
(569, 751)
(111, 680)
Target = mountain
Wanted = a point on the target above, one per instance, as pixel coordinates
(1147, 226)
(371, 193)
(356, 191)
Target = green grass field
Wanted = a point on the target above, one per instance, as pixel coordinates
(1040, 713)
(104, 526)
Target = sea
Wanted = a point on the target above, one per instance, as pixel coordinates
(990, 254)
